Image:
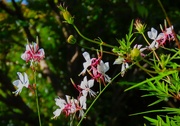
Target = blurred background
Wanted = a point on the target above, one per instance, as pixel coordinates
(108, 19)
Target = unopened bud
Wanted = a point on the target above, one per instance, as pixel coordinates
(71, 39)
(67, 16)
(139, 26)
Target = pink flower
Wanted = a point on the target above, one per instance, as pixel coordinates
(162, 38)
(102, 68)
(68, 107)
(33, 53)
(96, 67)
(166, 35)
(89, 62)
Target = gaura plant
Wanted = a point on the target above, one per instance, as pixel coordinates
(162, 70)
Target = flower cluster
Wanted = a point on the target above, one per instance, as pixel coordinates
(97, 69)
(32, 54)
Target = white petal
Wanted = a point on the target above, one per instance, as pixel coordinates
(18, 91)
(82, 100)
(84, 92)
(107, 78)
(26, 80)
(91, 83)
(119, 60)
(21, 78)
(83, 84)
(169, 30)
(85, 65)
(152, 34)
(68, 98)
(160, 36)
(57, 112)
(139, 46)
(60, 102)
(28, 47)
(123, 68)
(126, 65)
(17, 83)
(105, 67)
(86, 56)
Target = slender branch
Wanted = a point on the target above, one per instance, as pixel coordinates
(37, 102)
(90, 40)
(153, 49)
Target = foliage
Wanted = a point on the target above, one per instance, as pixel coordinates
(107, 22)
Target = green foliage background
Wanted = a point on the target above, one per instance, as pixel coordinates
(107, 19)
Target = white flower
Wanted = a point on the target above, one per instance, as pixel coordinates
(103, 68)
(22, 82)
(87, 63)
(68, 106)
(86, 85)
(153, 35)
(125, 65)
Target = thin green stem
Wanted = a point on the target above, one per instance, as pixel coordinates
(97, 98)
(146, 70)
(37, 101)
(90, 40)
(145, 39)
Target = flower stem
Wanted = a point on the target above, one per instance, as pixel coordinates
(153, 49)
(149, 72)
(97, 98)
(145, 39)
(37, 102)
(90, 40)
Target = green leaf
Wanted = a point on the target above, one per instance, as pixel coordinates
(151, 79)
(156, 102)
(150, 119)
